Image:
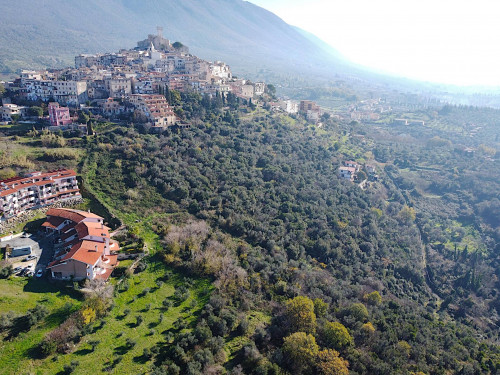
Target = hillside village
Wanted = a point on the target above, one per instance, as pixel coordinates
(183, 214)
(129, 85)
(134, 83)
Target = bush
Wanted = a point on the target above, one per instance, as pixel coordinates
(167, 304)
(181, 293)
(146, 353)
(36, 314)
(130, 343)
(5, 269)
(94, 343)
(139, 320)
(47, 347)
(141, 266)
(68, 369)
(60, 154)
(52, 140)
(7, 320)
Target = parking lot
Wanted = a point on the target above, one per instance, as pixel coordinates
(41, 248)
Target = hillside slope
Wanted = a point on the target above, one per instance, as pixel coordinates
(50, 33)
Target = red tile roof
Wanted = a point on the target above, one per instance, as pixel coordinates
(93, 229)
(53, 222)
(8, 192)
(84, 250)
(73, 215)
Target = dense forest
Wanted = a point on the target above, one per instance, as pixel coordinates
(398, 278)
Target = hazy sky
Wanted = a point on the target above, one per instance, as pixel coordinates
(436, 40)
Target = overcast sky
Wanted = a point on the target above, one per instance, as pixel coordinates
(435, 40)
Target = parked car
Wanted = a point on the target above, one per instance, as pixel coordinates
(17, 270)
(30, 273)
(39, 273)
(29, 257)
(24, 271)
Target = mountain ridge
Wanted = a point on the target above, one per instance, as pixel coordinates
(238, 32)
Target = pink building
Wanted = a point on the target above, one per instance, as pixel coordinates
(58, 115)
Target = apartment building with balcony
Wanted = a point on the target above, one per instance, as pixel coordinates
(37, 189)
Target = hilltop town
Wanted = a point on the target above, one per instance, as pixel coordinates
(134, 83)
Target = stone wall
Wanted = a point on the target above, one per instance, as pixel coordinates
(9, 225)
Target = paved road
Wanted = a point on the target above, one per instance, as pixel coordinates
(41, 247)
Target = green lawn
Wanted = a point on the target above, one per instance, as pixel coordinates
(16, 357)
(19, 295)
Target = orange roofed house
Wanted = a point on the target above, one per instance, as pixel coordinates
(87, 250)
(37, 189)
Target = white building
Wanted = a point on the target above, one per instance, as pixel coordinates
(9, 110)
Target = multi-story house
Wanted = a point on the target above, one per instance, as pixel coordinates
(155, 108)
(260, 88)
(118, 87)
(354, 165)
(67, 92)
(8, 110)
(59, 116)
(70, 92)
(86, 250)
(347, 173)
(19, 194)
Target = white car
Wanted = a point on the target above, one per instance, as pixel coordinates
(39, 273)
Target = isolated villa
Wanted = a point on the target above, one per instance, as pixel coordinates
(87, 250)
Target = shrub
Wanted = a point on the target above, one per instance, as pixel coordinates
(36, 314)
(60, 154)
(146, 353)
(5, 269)
(52, 140)
(139, 320)
(94, 343)
(68, 369)
(130, 343)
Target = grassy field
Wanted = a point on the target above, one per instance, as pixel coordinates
(19, 295)
(111, 354)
